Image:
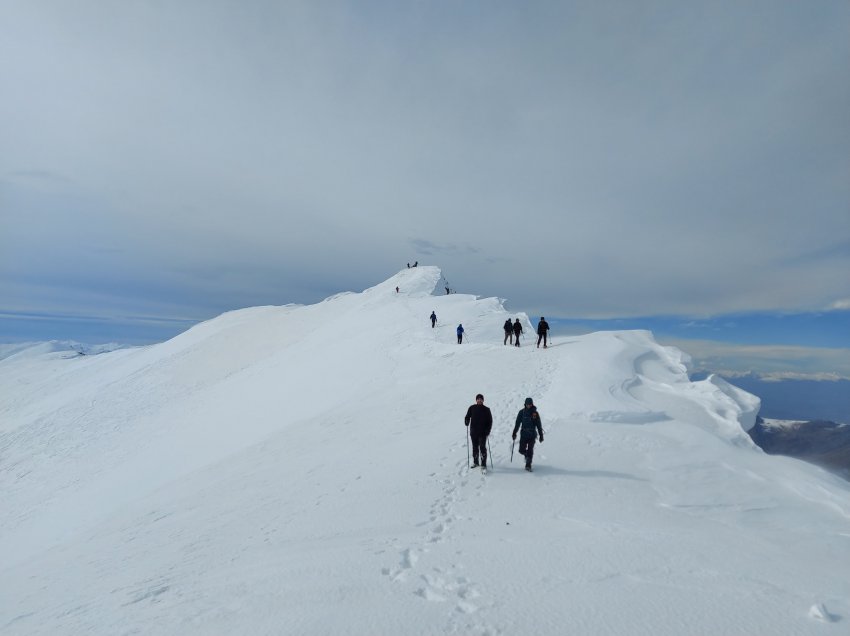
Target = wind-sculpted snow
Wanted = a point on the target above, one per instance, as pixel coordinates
(303, 470)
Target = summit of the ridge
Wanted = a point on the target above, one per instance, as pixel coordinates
(414, 281)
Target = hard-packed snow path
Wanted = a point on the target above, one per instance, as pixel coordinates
(303, 470)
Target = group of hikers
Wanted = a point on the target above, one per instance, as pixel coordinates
(513, 330)
(479, 421)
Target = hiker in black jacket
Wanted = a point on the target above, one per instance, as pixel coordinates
(529, 419)
(479, 420)
(542, 328)
(433, 319)
(509, 331)
(517, 331)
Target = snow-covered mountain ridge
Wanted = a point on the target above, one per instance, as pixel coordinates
(303, 470)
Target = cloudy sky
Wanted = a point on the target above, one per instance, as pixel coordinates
(162, 162)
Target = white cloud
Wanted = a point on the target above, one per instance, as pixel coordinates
(768, 361)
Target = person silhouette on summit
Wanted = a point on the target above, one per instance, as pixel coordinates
(433, 319)
(529, 419)
(542, 328)
(459, 334)
(517, 331)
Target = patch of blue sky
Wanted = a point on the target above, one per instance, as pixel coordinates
(34, 327)
(824, 329)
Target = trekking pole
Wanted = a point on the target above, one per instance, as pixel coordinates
(513, 441)
(467, 446)
(490, 452)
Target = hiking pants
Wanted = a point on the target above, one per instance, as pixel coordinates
(509, 335)
(516, 333)
(541, 336)
(526, 446)
(479, 443)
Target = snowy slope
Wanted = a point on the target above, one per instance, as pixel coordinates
(303, 470)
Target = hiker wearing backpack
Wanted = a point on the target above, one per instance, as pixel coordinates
(509, 331)
(517, 332)
(542, 328)
(529, 419)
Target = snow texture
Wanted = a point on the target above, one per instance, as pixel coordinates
(304, 470)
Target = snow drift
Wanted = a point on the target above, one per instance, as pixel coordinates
(303, 470)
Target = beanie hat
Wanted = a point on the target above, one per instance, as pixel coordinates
(479, 396)
(528, 401)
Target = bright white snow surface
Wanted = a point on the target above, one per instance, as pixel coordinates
(303, 470)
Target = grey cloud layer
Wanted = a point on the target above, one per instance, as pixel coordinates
(624, 159)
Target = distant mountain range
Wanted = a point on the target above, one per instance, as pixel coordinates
(824, 443)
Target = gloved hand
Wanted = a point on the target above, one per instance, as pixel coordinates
(541, 439)
(513, 436)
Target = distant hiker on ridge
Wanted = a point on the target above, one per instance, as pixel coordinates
(517, 331)
(459, 334)
(509, 331)
(529, 419)
(479, 420)
(542, 328)
(433, 319)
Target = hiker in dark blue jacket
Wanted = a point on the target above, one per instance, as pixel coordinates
(529, 419)
(433, 319)
(459, 334)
